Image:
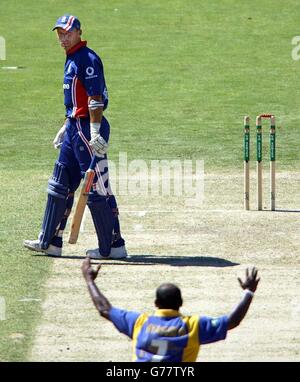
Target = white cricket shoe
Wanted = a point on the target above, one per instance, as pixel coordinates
(118, 253)
(115, 253)
(35, 245)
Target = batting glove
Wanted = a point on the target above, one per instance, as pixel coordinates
(58, 140)
(99, 145)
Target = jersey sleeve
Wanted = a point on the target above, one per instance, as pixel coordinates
(123, 320)
(91, 75)
(212, 329)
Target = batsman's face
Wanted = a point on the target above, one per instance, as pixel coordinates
(68, 39)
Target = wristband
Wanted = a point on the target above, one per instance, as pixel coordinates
(95, 129)
(95, 126)
(249, 292)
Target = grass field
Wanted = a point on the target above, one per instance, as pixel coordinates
(181, 75)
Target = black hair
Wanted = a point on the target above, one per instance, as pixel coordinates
(168, 296)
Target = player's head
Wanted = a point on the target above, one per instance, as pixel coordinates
(68, 31)
(168, 296)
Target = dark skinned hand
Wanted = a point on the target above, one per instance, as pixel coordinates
(87, 270)
(251, 280)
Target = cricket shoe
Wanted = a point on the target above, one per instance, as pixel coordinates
(35, 245)
(115, 253)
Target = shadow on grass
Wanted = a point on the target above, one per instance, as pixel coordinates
(59, 257)
(295, 211)
(176, 261)
(147, 259)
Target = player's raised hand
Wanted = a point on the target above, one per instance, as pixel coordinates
(87, 270)
(251, 280)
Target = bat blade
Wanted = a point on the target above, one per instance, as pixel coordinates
(80, 206)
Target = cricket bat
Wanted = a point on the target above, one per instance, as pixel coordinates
(81, 202)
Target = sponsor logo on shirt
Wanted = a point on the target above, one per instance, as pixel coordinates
(90, 73)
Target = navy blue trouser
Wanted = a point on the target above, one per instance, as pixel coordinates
(75, 155)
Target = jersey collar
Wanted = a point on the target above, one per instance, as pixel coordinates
(76, 47)
(167, 313)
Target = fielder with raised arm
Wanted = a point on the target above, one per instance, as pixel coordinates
(167, 335)
(85, 133)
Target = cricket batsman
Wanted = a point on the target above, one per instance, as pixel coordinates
(84, 134)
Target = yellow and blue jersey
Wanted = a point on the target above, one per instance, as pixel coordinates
(168, 336)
